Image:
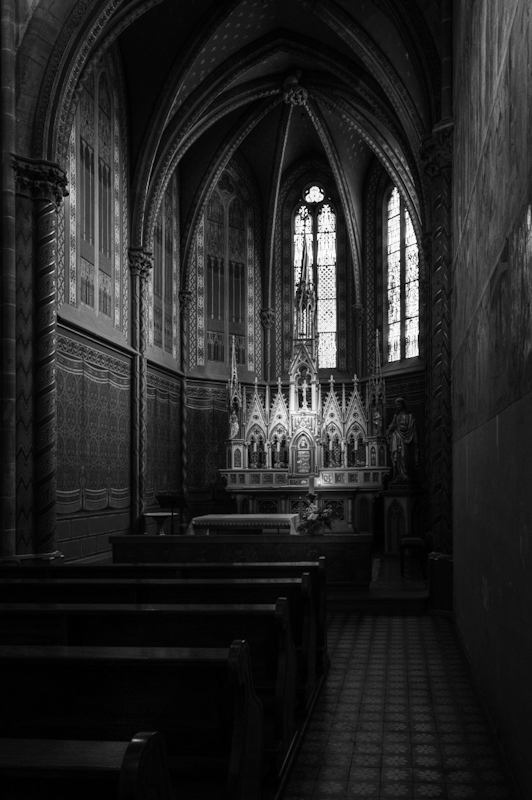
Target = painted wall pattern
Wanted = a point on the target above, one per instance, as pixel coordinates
(207, 432)
(197, 279)
(164, 446)
(93, 428)
(67, 255)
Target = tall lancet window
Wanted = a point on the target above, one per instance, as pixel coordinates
(315, 221)
(402, 282)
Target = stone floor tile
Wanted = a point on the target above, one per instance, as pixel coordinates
(329, 789)
(397, 717)
(363, 789)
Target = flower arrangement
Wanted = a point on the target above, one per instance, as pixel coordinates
(314, 519)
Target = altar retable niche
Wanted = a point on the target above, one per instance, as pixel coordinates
(307, 438)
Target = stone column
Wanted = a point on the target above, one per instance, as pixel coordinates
(140, 264)
(437, 157)
(185, 301)
(45, 183)
(267, 318)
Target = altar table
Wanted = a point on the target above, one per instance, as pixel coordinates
(246, 523)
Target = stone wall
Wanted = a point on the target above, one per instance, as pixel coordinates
(492, 361)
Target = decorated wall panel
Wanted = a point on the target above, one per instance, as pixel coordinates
(164, 445)
(207, 432)
(211, 324)
(93, 428)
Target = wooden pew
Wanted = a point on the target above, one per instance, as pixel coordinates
(52, 769)
(263, 569)
(298, 592)
(202, 701)
(266, 628)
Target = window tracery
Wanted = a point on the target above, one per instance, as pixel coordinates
(315, 223)
(402, 281)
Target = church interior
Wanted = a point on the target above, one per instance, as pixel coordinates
(256, 252)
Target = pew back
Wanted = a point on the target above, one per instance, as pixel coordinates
(201, 700)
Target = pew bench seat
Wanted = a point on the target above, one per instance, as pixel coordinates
(266, 628)
(54, 769)
(201, 700)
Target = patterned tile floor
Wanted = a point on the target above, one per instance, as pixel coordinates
(398, 717)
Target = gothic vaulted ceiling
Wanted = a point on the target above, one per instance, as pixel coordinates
(272, 82)
(278, 81)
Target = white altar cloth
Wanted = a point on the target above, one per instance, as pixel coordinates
(234, 523)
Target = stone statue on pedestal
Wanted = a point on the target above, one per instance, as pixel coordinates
(402, 438)
(233, 425)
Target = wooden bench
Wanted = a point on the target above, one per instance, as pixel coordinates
(298, 592)
(55, 769)
(266, 628)
(348, 555)
(202, 700)
(260, 569)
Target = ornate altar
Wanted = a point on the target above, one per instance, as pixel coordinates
(305, 438)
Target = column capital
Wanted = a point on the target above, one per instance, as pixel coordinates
(267, 318)
(185, 300)
(437, 150)
(40, 179)
(140, 262)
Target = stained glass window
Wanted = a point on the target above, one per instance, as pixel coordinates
(316, 220)
(402, 283)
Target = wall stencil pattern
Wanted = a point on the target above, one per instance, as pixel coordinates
(207, 432)
(93, 424)
(164, 400)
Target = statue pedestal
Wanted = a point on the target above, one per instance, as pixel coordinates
(402, 514)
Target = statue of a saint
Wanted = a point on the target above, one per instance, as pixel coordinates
(402, 438)
(233, 425)
(377, 422)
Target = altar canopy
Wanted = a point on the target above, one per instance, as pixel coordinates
(307, 437)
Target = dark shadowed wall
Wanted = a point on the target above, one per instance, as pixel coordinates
(492, 363)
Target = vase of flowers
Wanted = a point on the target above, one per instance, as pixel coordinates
(313, 519)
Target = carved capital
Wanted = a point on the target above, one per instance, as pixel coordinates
(185, 300)
(293, 93)
(40, 180)
(267, 317)
(437, 150)
(360, 313)
(140, 262)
